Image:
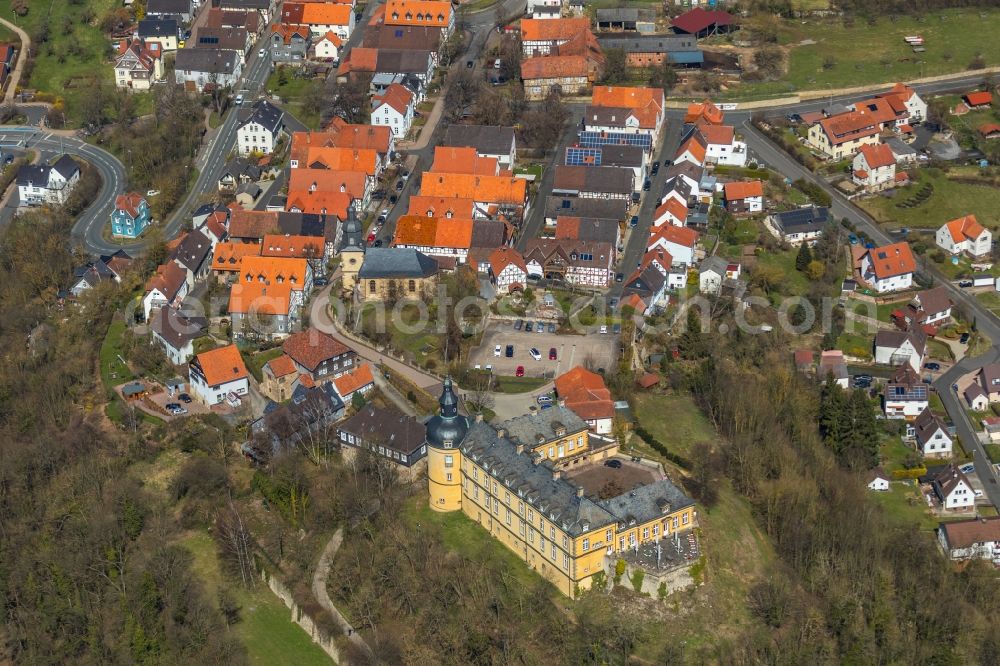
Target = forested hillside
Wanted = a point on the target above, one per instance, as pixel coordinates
(87, 572)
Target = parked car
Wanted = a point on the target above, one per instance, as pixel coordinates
(239, 100)
(634, 221)
(552, 353)
(967, 469)
(964, 339)
(540, 327)
(616, 328)
(321, 281)
(613, 464)
(519, 324)
(552, 327)
(377, 243)
(496, 350)
(261, 53)
(399, 185)
(544, 400)
(535, 354)
(496, 64)
(519, 372)
(619, 277)
(171, 406)
(964, 283)
(932, 366)
(509, 352)
(393, 199)
(470, 64)
(656, 168)
(646, 186)
(528, 326)
(604, 329)
(185, 398)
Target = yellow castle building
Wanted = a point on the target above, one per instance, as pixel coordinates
(505, 478)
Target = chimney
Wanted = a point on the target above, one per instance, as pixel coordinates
(579, 491)
(312, 188)
(556, 474)
(479, 418)
(501, 433)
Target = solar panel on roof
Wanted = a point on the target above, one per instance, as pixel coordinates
(595, 139)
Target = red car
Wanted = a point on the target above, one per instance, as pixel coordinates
(552, 354)
(519, 372)
(371, 237)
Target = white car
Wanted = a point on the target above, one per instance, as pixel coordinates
(497, 351)
(535, 354)
(239, 100)
(262, 53)
(604, 329)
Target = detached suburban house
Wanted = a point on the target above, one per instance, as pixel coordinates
(975, 539)
(744, 198)
(394, 109)
(965, 235)
(138, 64)
(931, 436)
(217, 373)
(679, 242)
(874, 168)
(842, 135)
(130, 216)
(175, 333)
(801, 225)
(901, 347)
(888, 268)
(42, 184)
(950, 487)
(906, 396)
(989, 377)
(290, 43)
(318, 355)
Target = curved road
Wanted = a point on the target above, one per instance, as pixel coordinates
(89, 227)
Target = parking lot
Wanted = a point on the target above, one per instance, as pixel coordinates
(571, 350)
(596, 476)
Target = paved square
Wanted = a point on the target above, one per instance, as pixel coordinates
(571, 350)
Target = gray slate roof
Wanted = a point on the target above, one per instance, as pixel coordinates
(158, 28)
(193, 249)
(396, 262)
(267, 115)
(210, 61)
(577, 207)
(486, 139)
(558, 499)
(650, 43)
(714, 264)
(802, 220)
(543, 423)
(386, 427)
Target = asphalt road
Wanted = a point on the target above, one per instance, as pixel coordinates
(89, 226)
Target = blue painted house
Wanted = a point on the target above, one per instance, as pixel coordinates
(130, 216)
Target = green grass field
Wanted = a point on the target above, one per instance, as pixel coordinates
(265, 627)
(291, 93)
(794, 282)
(855, 344)
(113, 371)
(685, 427)
(950, 200)
(519, 384)
(76, 53)
(866, 54)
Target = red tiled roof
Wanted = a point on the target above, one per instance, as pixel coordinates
(129, 203)
(311, 347)
(989, 128)
(979, 98)
(503, 257)
(585, 394)
(673, 234)
(879, 155)
(703, 111)
(699, 19)
(282, 366)
(554, 67)
(553, 30)
(396, 96)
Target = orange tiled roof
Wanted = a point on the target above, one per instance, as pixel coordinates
(416, 230)
(441, 206)
(342, 159)
(339, 134)
(695, 147)
(706, 111)
(354, 380)
(418, 12)
(489, 189)
(288, 30)
(892, 260)
(553, 30)
(360, 59)
(585, 394)
(879, 155)
(674, 207)
(989, 128)
(502, 257)
(554, 67)
(262, 298)
(881, 109)
(659, 256)
(396, 96)
(168, 279)
(222, 365)
(454, 159)
(965, 228)
(326, 13)
(277, 270)
(282, 366)
(319, 203)
(228, 257)
(673, 234)
(628, 97)
(311, 347)
(327, 180)
(717, 134)
(634, 301)
(744, 190)
(288, 245)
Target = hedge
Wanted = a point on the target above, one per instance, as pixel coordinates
(661, 448)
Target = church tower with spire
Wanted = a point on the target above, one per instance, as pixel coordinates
(352, 249)
(445, 433)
